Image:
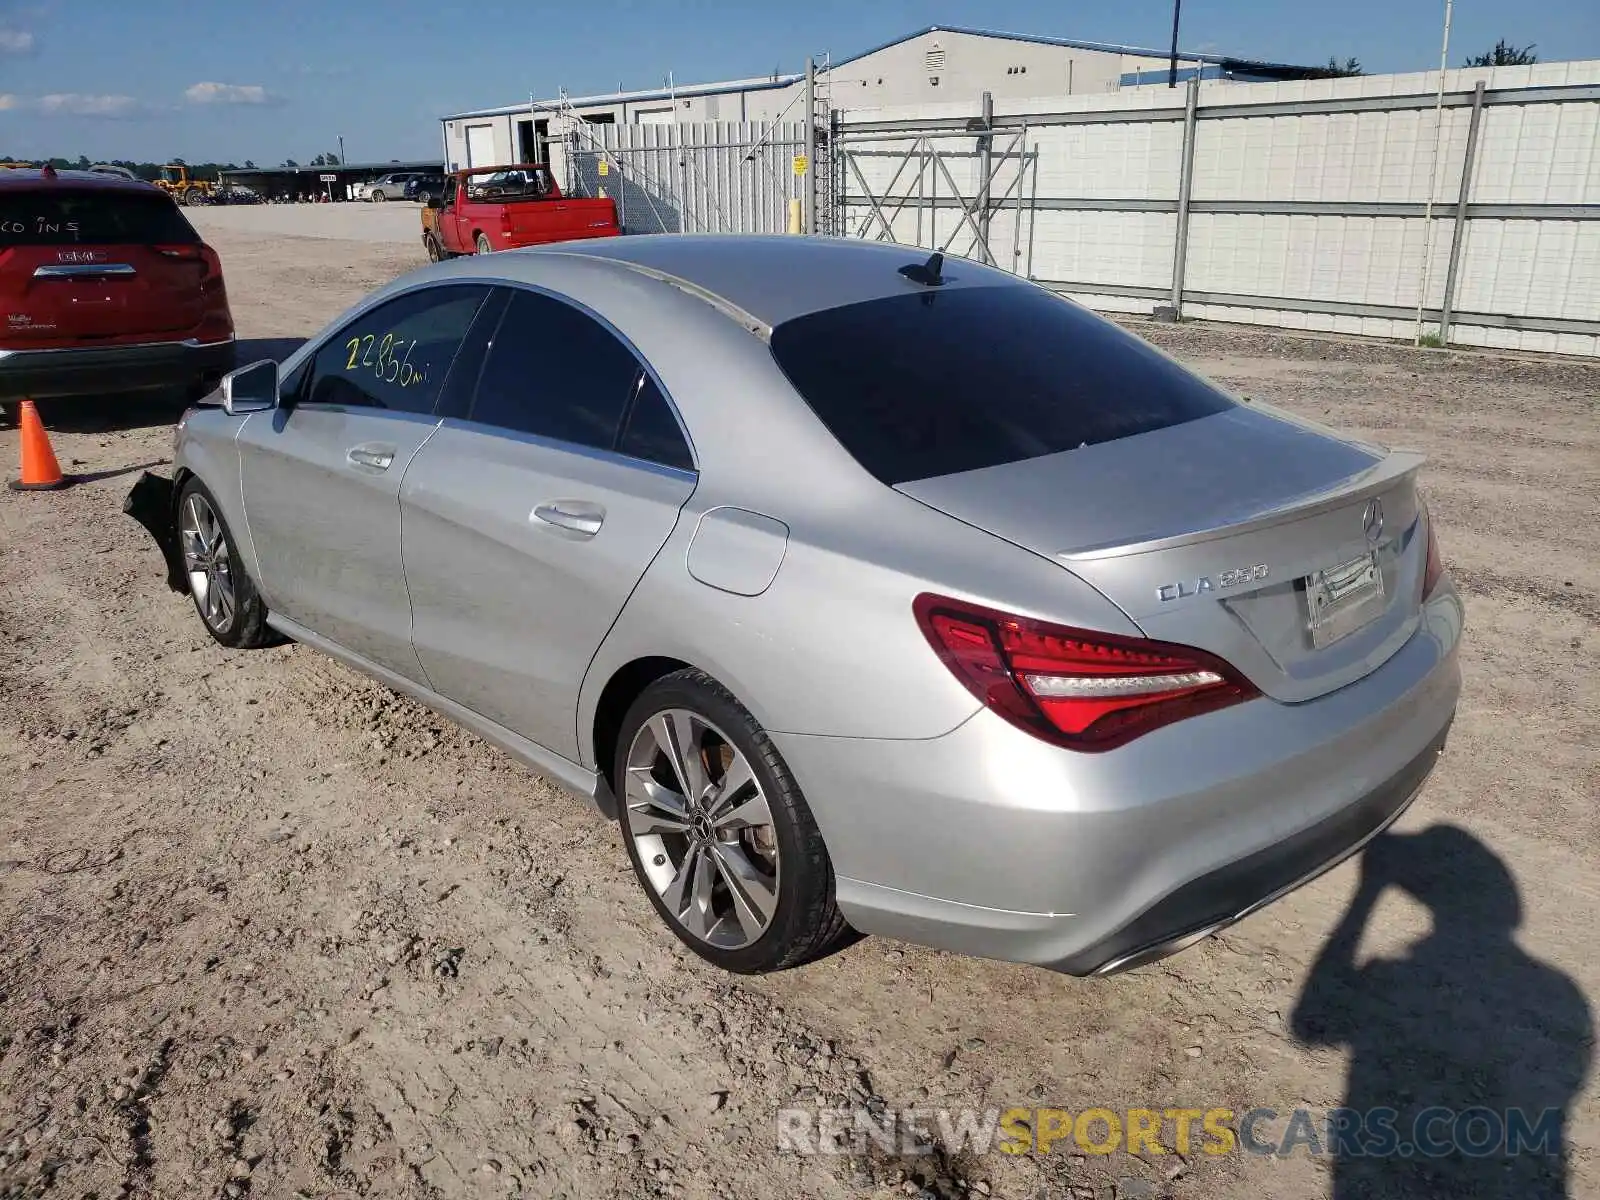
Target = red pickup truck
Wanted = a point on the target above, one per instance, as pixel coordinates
(501, 208)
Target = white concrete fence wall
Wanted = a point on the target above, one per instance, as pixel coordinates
(1306, 206)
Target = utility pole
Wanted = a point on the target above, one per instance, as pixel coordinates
(809, 179)
(1433, 178)
(1172, 68)
(986, 173)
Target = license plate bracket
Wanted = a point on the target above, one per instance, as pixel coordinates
(1344, 598)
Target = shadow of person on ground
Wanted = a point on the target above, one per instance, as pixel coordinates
(139, 410)
(1465, 1021)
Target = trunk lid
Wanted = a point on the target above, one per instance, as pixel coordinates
(1293, 553)
(88, 265)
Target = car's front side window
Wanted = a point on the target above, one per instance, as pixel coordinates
(394, 356)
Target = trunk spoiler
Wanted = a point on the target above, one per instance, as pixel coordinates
(1382, 475)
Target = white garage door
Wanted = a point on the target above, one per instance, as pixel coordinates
(480, 146)
(653, 116)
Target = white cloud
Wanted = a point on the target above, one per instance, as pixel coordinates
(15, 41)
(228, 93)
(84, 104)
(9, 102)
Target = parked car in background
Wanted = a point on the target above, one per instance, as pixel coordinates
(502, 208)
(424, 188)
(386, 187)
(106, 288)
(113, 169)
(855, 587)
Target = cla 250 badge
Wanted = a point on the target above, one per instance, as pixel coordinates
(1182, 590)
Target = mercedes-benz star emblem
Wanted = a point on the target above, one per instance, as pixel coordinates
(1372, 521)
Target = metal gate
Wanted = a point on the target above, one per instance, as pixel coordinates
(701, 177)
(966, 192)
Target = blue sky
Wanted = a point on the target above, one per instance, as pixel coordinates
(237, 79)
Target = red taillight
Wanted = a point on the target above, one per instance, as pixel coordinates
(1434, 571)
(1075, 687)
(197, 252)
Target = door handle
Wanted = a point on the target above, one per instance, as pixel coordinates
(373, 457)
(575, 516)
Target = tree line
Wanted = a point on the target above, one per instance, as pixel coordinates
(1504, 54)
(150, 170)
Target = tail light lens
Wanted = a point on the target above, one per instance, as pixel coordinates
(1077, 688)
(1434, 571)
(199, 252)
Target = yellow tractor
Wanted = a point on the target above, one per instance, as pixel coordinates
(176, 181)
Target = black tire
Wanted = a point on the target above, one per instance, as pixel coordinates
(482, 244)
(806, 923)
(431, 245)
(246, 627)
(377, 196)
(423, 198)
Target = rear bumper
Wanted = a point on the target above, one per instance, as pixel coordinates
(989, 842)
(98, 370)
(1231, 893)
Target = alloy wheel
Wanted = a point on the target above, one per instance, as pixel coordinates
(702, 829)
(207, 562)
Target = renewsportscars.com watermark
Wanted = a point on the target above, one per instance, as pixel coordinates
(1340, 1132)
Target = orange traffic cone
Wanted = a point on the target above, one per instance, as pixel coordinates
(40, 470)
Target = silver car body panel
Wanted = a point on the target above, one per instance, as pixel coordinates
(784, 570)
(321, 494)
(1198, 551)
(509, 600)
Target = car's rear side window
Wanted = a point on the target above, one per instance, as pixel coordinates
(555, 372)
(935, 382)
(69, 218)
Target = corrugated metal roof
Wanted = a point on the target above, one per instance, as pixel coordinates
(428, 164)
(763, 83)
(1073, 44)
(682, 91)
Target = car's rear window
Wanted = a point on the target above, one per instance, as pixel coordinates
(935, 382)
(68, 218)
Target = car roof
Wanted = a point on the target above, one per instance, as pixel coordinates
(775, 278)
(35, 179)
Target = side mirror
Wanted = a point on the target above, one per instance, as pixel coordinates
(435, 202)
(251, 389)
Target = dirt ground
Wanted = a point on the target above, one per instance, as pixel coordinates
(267, 928)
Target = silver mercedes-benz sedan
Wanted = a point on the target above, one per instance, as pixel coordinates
(865, 590)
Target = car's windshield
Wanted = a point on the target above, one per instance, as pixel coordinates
(935, 382)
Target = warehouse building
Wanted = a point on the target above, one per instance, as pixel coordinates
(939, 63)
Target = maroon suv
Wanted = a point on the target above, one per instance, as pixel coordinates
(105, 287)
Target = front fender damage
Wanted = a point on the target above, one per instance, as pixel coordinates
(151, 502)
